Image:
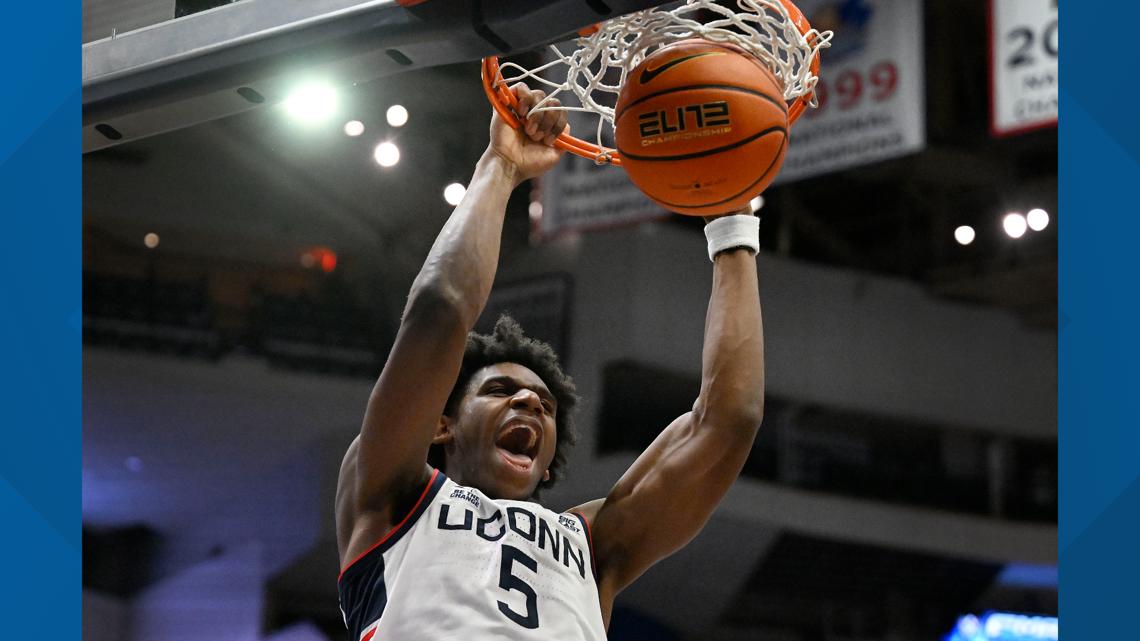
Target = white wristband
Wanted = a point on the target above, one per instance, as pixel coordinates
(727, 232)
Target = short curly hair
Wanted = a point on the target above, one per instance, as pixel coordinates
(508, 344)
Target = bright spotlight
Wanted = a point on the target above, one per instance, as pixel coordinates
(964, 235)
(353, 128)
(151, 240)
(1038, 219)
(312, 103)
(453, 193)
(397, 115)
(387, 154)
(756, 203)
(1014, 225)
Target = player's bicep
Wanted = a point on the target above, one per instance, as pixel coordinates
(667, 496)
(407, 402)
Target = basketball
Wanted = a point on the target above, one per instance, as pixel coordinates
(701, 127)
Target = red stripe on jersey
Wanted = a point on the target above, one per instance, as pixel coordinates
(589, 541)
(395, 529)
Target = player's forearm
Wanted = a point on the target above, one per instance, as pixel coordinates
(732, 376)
(460, 268)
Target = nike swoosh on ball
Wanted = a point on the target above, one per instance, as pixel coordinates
(647, 74)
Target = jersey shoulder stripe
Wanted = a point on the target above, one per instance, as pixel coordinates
(361, 590)
(589, 542)
(393, 536)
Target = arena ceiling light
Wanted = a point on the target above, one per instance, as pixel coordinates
(397, 115)
(387, 154)
(353, 128)
(454, 193)
(1037, 219)
(1014, 225)
(964, 234)
(312, 102)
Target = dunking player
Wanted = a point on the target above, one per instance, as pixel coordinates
(458, 550)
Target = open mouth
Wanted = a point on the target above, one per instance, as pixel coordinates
(518, 443)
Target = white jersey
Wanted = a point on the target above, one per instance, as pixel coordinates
(462, 566)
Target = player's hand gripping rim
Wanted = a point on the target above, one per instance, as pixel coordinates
(530, 150)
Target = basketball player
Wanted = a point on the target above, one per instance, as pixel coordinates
(460, 551)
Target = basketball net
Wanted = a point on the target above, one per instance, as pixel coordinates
(774, 31)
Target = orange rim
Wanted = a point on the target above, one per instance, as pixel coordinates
(799, 104)
(504, 101)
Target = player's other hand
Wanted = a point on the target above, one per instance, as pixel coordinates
(529, 150)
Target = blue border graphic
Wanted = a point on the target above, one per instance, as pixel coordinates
(1099, 344)
(40, 321)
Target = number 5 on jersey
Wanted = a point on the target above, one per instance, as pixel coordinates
(509, 581)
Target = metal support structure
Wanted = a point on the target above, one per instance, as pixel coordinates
(244, 55)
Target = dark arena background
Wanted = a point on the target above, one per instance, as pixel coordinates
(262, 180)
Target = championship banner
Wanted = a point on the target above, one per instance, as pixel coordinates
(1023, 65)
(871, 88)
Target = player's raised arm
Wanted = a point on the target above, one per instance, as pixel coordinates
(387, 462)
(668, 494)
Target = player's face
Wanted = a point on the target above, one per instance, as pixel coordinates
(504, 432)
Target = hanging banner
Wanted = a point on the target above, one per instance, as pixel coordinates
(871, 88)
(1023, 65)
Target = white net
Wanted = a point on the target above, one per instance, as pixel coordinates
(763, 28)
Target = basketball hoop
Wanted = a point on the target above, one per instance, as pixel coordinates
(774, 31)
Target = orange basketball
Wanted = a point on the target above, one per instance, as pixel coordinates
(701, 127)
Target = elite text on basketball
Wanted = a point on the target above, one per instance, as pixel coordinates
(686, 121)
